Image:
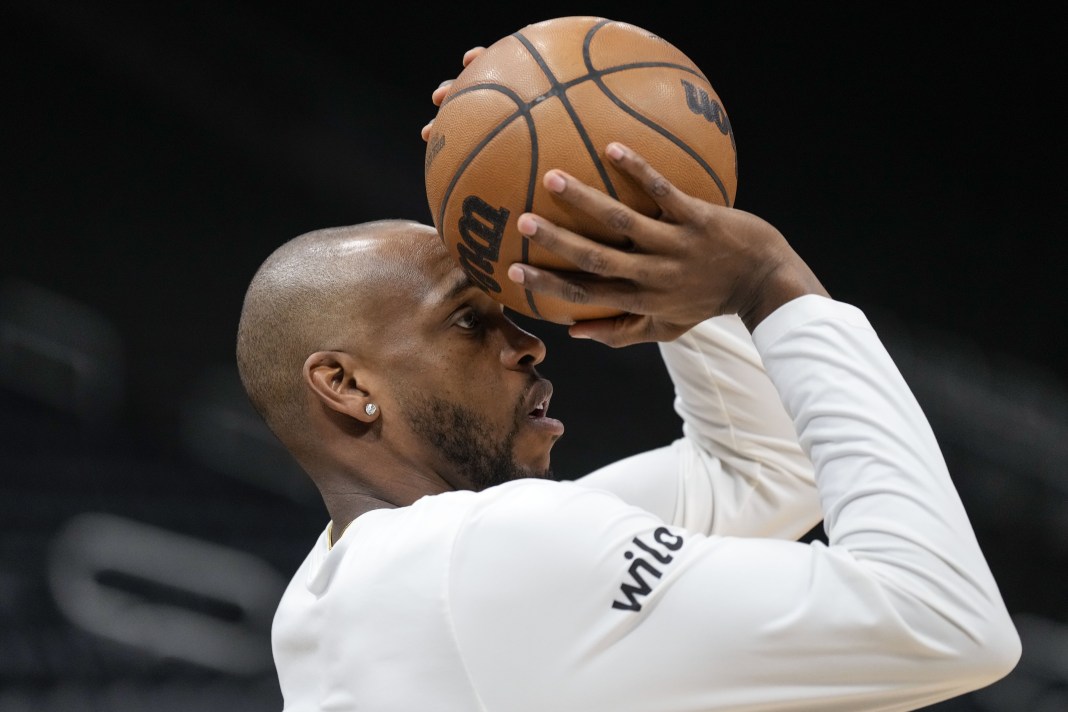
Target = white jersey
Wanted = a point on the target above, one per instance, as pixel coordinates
(673, 580)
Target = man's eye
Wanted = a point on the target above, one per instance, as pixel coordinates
(469, 320)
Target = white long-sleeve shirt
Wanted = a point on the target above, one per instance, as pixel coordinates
(670, 581)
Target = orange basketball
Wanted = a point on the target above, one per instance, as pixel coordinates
(554, 95)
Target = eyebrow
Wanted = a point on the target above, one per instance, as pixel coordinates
(459, 287)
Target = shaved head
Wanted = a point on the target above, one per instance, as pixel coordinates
(316, 292)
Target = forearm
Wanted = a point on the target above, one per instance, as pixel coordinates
(739, 469)
(760, 482)
(888, 500)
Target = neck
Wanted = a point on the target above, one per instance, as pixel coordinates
(346, 503)
(353, 504)
(354, 482)
(345, 507)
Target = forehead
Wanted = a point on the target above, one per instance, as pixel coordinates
(420, 270)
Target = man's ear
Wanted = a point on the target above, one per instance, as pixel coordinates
(331, 375)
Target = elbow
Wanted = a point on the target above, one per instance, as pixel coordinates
(999, 650)
(966, 646)
(993, 652)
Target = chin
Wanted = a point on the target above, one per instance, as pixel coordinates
(539, 468)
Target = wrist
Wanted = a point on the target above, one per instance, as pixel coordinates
(782, 282)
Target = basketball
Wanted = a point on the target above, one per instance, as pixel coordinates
(554, 95)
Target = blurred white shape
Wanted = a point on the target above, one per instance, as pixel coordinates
(145, 695)
(92, 546)
(1005, 411)
(59, 352)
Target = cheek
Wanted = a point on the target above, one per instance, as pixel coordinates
(491, 398)
(466, 373)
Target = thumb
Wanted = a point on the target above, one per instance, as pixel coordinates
(615, 332)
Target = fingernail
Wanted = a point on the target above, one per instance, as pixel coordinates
(445, 83)
(579, 335)
(555, 182)
(614, 151)
(516, 274)
(527, 225)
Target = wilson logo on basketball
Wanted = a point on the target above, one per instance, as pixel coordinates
(481, 229)
(700, 103)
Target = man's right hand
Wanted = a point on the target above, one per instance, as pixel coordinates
(697, 260)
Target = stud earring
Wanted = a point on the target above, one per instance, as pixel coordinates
(370, 409)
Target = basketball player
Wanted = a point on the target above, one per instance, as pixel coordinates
(456, 574)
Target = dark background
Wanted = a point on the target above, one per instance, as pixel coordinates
(155, 154)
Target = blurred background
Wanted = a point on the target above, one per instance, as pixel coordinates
(155, 153)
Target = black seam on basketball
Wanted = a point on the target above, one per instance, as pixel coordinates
(670, 137)
(588, 39)
(529, 205)
(507, 91)
(556, 89)
(522, 109)
(571, 112)
(593, 74)
(561, 88)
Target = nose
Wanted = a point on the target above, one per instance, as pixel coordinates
(521, 348)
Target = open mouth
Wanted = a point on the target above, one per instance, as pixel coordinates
(538, 398)
(537, 403)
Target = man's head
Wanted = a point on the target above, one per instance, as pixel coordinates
(379, 313)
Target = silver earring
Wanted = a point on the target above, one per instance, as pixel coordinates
(370, 409)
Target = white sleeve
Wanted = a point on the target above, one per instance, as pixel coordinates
(568, 599)
(738, 469)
